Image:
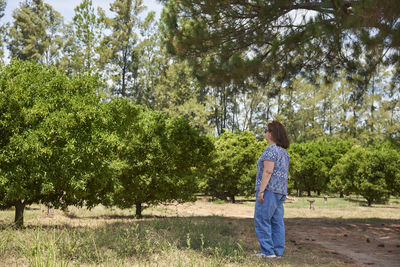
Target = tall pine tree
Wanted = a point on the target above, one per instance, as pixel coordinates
(32, 34)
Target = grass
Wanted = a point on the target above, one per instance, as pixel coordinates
(165, 237)
(343, 209)
(177, 241)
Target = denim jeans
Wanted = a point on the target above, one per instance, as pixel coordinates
(269, 225)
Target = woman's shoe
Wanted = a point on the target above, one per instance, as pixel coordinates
(260, 255)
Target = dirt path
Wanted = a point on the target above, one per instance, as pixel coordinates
(365, 244)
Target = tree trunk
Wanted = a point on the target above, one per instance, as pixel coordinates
(138, 210)
(341, 195)
(233, 199)
(19, 214)
(309, 193)
(299, 193)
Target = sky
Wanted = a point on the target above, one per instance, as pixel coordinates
(66, 7)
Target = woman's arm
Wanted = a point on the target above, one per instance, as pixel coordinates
(268, 169)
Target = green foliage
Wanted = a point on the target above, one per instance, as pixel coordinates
(121, 45)
(178, 93)
(233, 41)
(3, 5)
(232, 72)
(32, 35)
(371, 172)
(51, 143)
(87, 29)
(157, 158)
(233, 170)
(272, 45)
(311, 162)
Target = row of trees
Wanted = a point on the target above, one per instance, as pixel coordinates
(218, 86)
(333, 167)
(62, 144)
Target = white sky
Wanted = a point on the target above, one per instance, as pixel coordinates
(66, 7)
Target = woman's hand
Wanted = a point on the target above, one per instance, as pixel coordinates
(260, 196)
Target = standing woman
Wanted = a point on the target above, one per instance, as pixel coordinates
(271, 190)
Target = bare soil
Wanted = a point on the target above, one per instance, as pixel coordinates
(365, 244)
(355, 243)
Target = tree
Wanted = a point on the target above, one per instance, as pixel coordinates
(69, 61)
(234, 45)
(233, 169)
(32, 35)
(88, 28)
(157, 159)
(389, 163)
(167, 85)
(371, 172)
(311, 163)
(152, 64)
(54, 23)
(307, 168)
(123, 54)
(178, 93)
(231, 40)
(3, 5)
(53, 146)
(390, 109)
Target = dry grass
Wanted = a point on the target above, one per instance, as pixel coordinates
(193, 234)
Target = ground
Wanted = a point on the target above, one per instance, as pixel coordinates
(338, 233)
(356, 243)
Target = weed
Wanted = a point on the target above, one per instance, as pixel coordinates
(104, 237)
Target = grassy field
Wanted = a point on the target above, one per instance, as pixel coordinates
(167, 235)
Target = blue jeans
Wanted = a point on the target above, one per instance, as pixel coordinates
(269, 225)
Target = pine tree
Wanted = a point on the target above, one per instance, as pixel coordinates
(87, 29)
(122, 52)
(232, 40)
(3, 5)
(33, 31)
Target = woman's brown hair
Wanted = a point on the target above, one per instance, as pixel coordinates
(278, 133)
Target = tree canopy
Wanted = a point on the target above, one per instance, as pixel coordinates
(371, 172)
(232, 40)
(233, 169)
(157, 159)
(52, 140)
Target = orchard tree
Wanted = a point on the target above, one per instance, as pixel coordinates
(157, 159)
(311, 162)
(370, 172)
(307, 168)
(53, 146)
(233, 169)
(388, 158)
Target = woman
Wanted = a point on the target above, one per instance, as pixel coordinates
(271, 190)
